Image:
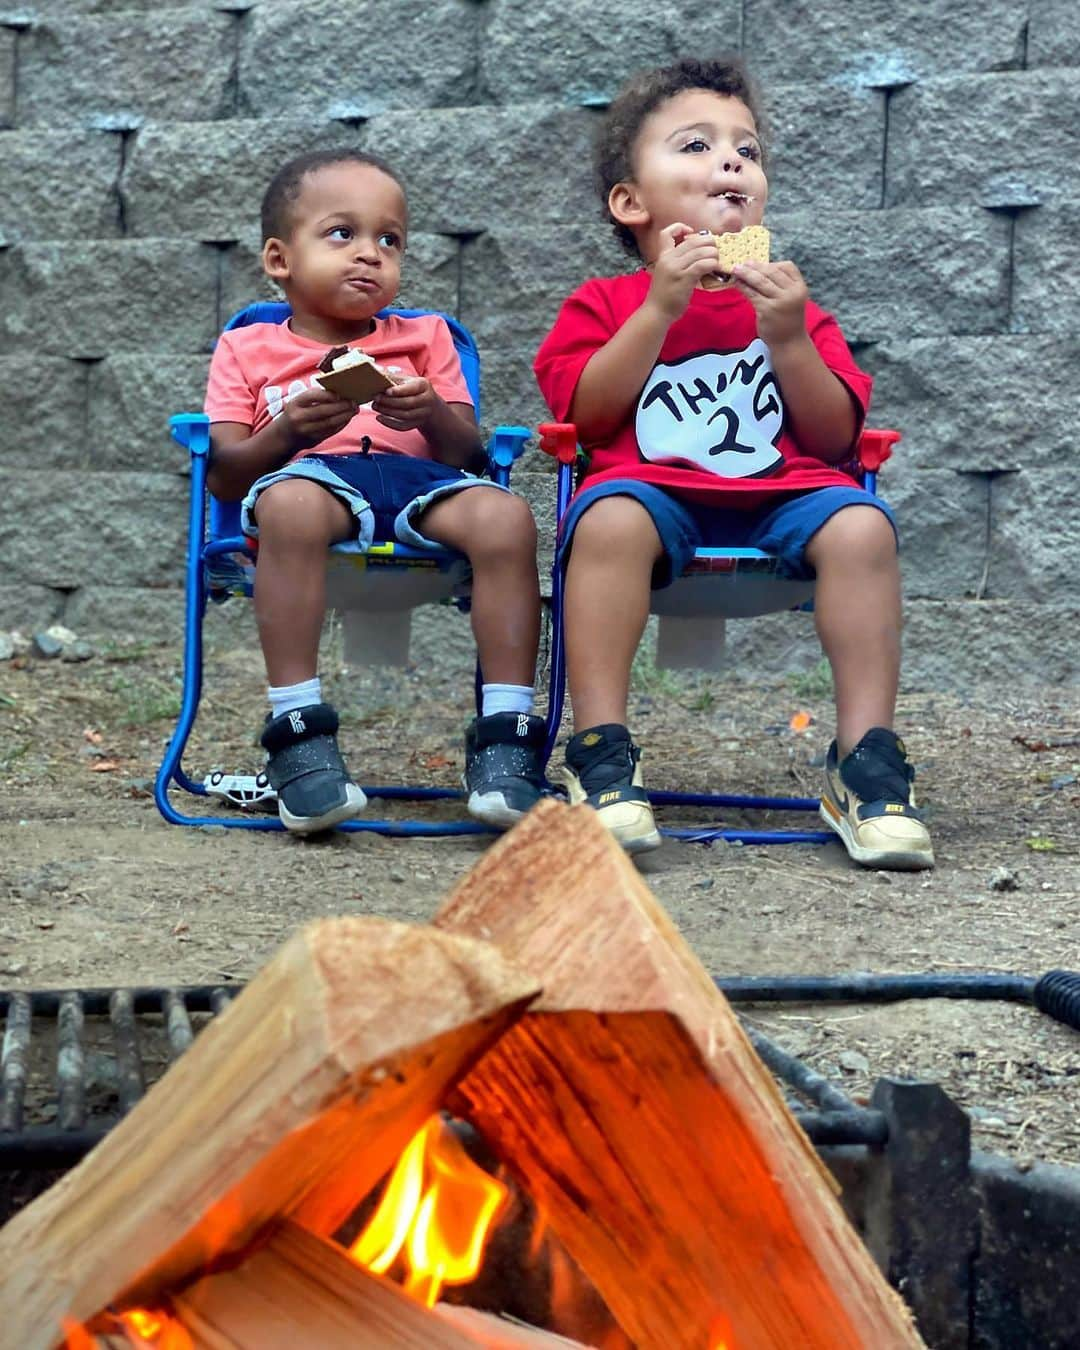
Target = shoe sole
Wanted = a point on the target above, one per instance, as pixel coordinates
(354, 803)
(898, 861)
(492, 808)
(644, 843)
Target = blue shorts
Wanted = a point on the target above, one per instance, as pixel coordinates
(385, 493)
(783, 529)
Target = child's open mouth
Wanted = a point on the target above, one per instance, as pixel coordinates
(738, 198)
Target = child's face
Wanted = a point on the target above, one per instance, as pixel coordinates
(697, 160)
(342, 259)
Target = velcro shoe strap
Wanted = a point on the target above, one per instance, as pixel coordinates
(318, 719)
(614, 796)
(316, 754)
(873, 810)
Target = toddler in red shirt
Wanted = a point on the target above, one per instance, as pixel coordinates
(717, 417)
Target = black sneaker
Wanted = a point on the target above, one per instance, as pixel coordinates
(869, 801)
(304, 766)
(504, 766)
(603, 770)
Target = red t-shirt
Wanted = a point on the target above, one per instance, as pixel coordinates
(709, 423)
(256, 370)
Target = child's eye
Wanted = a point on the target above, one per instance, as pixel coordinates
(389, 239)
(696, 146)
(749, 151)
(339, 232)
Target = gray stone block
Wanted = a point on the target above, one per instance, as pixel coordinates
(1054, 34)
(205, 180)
(131, 399)
(883, 43)
(325, 59)
(28, 608)
(941, 517)
(94, 299)
(129, 611)
(975, 402)
(956, 139)
(508, 388)
(8, 38)
(948, 645)
(797, 118)
(1046, 271)
(429, 277)
(514, 280)
(43, 413)
(1035, 537)
(123, 528)
(469, 169)
(32, 163)
(903, 272)
(120, 69)
(953, 644)
(582, 50)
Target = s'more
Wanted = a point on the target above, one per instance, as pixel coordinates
(749, 245)
(352, 374)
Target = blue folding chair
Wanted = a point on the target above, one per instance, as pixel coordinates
(719, 584)
(387, 581)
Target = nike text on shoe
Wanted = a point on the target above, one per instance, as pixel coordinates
(504, 766)
(870, 802)
(603, 770)
(305, 768)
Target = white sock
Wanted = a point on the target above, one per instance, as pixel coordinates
(511, 698)
(285, 697)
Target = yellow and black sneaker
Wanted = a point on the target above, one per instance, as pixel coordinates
(603, 770)
(870, 802)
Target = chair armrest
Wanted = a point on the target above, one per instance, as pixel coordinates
(506, 446)
(874, 448)
(192, 431)
(559, 439)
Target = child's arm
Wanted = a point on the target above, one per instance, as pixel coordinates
(610, 384)
(818, 407)
(449, 428)
(237, 458)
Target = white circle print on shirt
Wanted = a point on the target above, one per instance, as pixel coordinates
(719, 411)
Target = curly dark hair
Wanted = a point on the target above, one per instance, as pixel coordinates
(613, 152)
(284, 188)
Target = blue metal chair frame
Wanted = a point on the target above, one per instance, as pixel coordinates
(223, 539)
(560, 440)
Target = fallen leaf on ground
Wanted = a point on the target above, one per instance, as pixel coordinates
(800, 721)
(104, 766)
(89, 734)
(437, 762)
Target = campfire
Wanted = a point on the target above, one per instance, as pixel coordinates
(304, 1175)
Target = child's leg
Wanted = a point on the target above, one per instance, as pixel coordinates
(496, 532)
(857, 613)
(298, 520)
(608, 579)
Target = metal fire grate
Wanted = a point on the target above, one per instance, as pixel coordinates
(75, 1061)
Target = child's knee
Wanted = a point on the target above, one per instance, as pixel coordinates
(613, 522)
(856, 534)
(294, 509)
(503, 523)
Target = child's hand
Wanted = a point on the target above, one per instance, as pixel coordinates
(778, 294)
(314, 416)
(684, 258)
(408, 406)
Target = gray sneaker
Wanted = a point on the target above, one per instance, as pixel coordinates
(305, 768)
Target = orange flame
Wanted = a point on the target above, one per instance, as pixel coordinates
(435, 1215)
(142, 1326)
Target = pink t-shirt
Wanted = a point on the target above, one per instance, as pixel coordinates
(256, 370)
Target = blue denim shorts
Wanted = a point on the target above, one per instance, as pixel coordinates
(385, 493)
(783, 529)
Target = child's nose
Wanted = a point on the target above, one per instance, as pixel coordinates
(733, 165)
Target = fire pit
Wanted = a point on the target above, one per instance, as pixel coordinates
(625, 1119)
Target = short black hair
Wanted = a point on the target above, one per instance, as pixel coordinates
(284, 188)
(613, 152)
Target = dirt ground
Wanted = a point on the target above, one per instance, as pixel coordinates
(98, 891)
